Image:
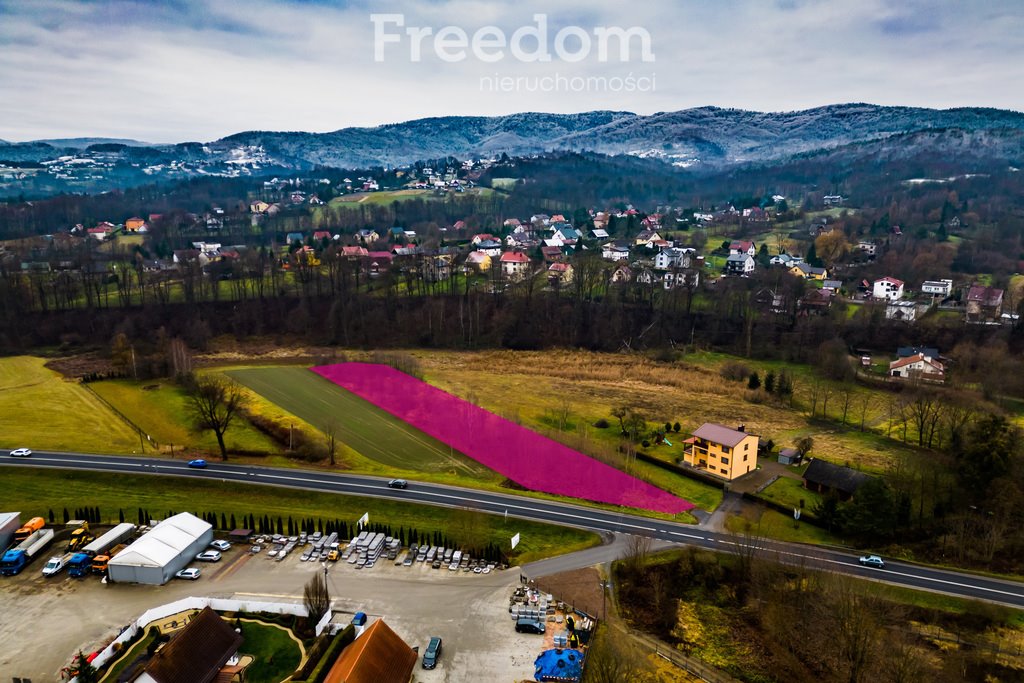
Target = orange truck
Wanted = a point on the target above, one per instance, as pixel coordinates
(31, 526)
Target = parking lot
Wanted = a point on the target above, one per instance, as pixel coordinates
(44, 621)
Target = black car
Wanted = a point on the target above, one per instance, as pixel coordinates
(528, 625)
(432, 653)
(398, 484)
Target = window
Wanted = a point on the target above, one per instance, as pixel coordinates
(725, 461)
(746, 446)
(744, 457)
(711, 467)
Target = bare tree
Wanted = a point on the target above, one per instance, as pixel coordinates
(316, 598)
(213, 404)
(638, 549)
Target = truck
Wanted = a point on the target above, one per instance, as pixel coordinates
(56, 564)
(99, 563)
(30, 527)
(79, 565)
(13, 561)
(80, 536)
(116, 536)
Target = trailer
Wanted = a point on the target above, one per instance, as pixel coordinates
(116, 536)
(14, 561)
(9, 523)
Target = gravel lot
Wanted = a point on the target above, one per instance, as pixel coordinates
(44, 621)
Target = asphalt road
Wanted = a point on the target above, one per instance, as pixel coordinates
(960, 584)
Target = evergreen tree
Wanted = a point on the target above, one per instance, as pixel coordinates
(754, 382)
(769, 382)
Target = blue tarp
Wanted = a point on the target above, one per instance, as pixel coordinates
(558, 665)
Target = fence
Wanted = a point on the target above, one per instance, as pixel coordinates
(692, 666)
(185, 604)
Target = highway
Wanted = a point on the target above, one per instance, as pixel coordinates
(960, 584)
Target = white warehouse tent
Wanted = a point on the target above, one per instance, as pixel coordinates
(169, 547)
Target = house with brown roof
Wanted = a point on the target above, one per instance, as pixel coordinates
(379, 655)
(829, 479)
(918, 366)
(984, 304)
(196, 654)
(724, 452)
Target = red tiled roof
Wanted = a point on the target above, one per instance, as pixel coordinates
(514, 257)
(377, 656)
(916, 358)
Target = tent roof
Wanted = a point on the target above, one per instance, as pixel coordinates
(165, 542)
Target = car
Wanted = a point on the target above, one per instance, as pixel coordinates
(26, 453)
(208, 556)
(220, 545)
(191, 574)
(432, 653)
(529, 625)
(198, 463)
(872, 561)
(398, 484)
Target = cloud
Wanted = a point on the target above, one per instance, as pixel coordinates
(201, 69)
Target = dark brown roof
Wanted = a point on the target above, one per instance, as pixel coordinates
(377, 656)
(197, 653)
(720, 434)
(835, 477)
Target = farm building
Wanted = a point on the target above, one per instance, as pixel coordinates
(169, 547)
(378, 655)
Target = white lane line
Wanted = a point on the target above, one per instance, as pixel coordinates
(90, 461)
(462, 500)
(699, 538)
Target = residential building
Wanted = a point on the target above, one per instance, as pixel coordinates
(682, 277)
(195, 654)
(135, 224)
(785, 260)
(808, 272)
(833, 199)
(378, 655)
(739, 264)
(672, 258)
(514, 264)
(937, 288)
(901, 310)
(869, 248)
(918, 366)
(742, 247)
(815, 302)
(599, 234)
(646, 237)
(479, 261)
(834, 285)
(984, 304)
(490, 247)
(621, 274)
(722, 451)
(615, 251)
(560, 273)
(888, 288)
(367, 236)
(828, 479)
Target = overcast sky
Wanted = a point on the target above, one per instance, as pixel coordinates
(200, 69)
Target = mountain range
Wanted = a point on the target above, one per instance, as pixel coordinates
(703, 138)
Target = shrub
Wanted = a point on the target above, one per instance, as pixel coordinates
(601, 424)
(734, 371)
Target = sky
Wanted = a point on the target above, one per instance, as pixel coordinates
(181, 70)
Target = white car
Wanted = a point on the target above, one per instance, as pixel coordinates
(21, 453)
(208, 556)
(53, 566)
(191, 573)
(220, 545)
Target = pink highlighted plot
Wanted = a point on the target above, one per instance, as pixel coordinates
(527, 458)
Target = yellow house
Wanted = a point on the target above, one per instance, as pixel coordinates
(134, 224)
(724, 452)
(479, 260)
(808, 272)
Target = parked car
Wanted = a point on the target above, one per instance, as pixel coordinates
(208, 556)
(432, 653)
(25, 453)
(398, 484)
(220, 545)
(872, 561)
(198, 463)
(528, 625)
(191, 573)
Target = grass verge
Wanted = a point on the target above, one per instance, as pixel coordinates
(35, 492)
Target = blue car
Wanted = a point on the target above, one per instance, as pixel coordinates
(197, 463)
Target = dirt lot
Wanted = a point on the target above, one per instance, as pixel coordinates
(43, 622)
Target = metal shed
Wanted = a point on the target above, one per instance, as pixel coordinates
(169, 547)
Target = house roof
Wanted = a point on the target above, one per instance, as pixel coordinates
(891, 280)
(986, 296)
(742, 245)
(834, 476)
(720, 434)
(514, 257)
(905, 351)
(739, 258)
(916, 358)
(197, 653)
(379, 655)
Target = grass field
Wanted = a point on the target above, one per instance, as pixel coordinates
(277, 654)
(40, 410)
(365, 428)
(160, 409)
(35, 492)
